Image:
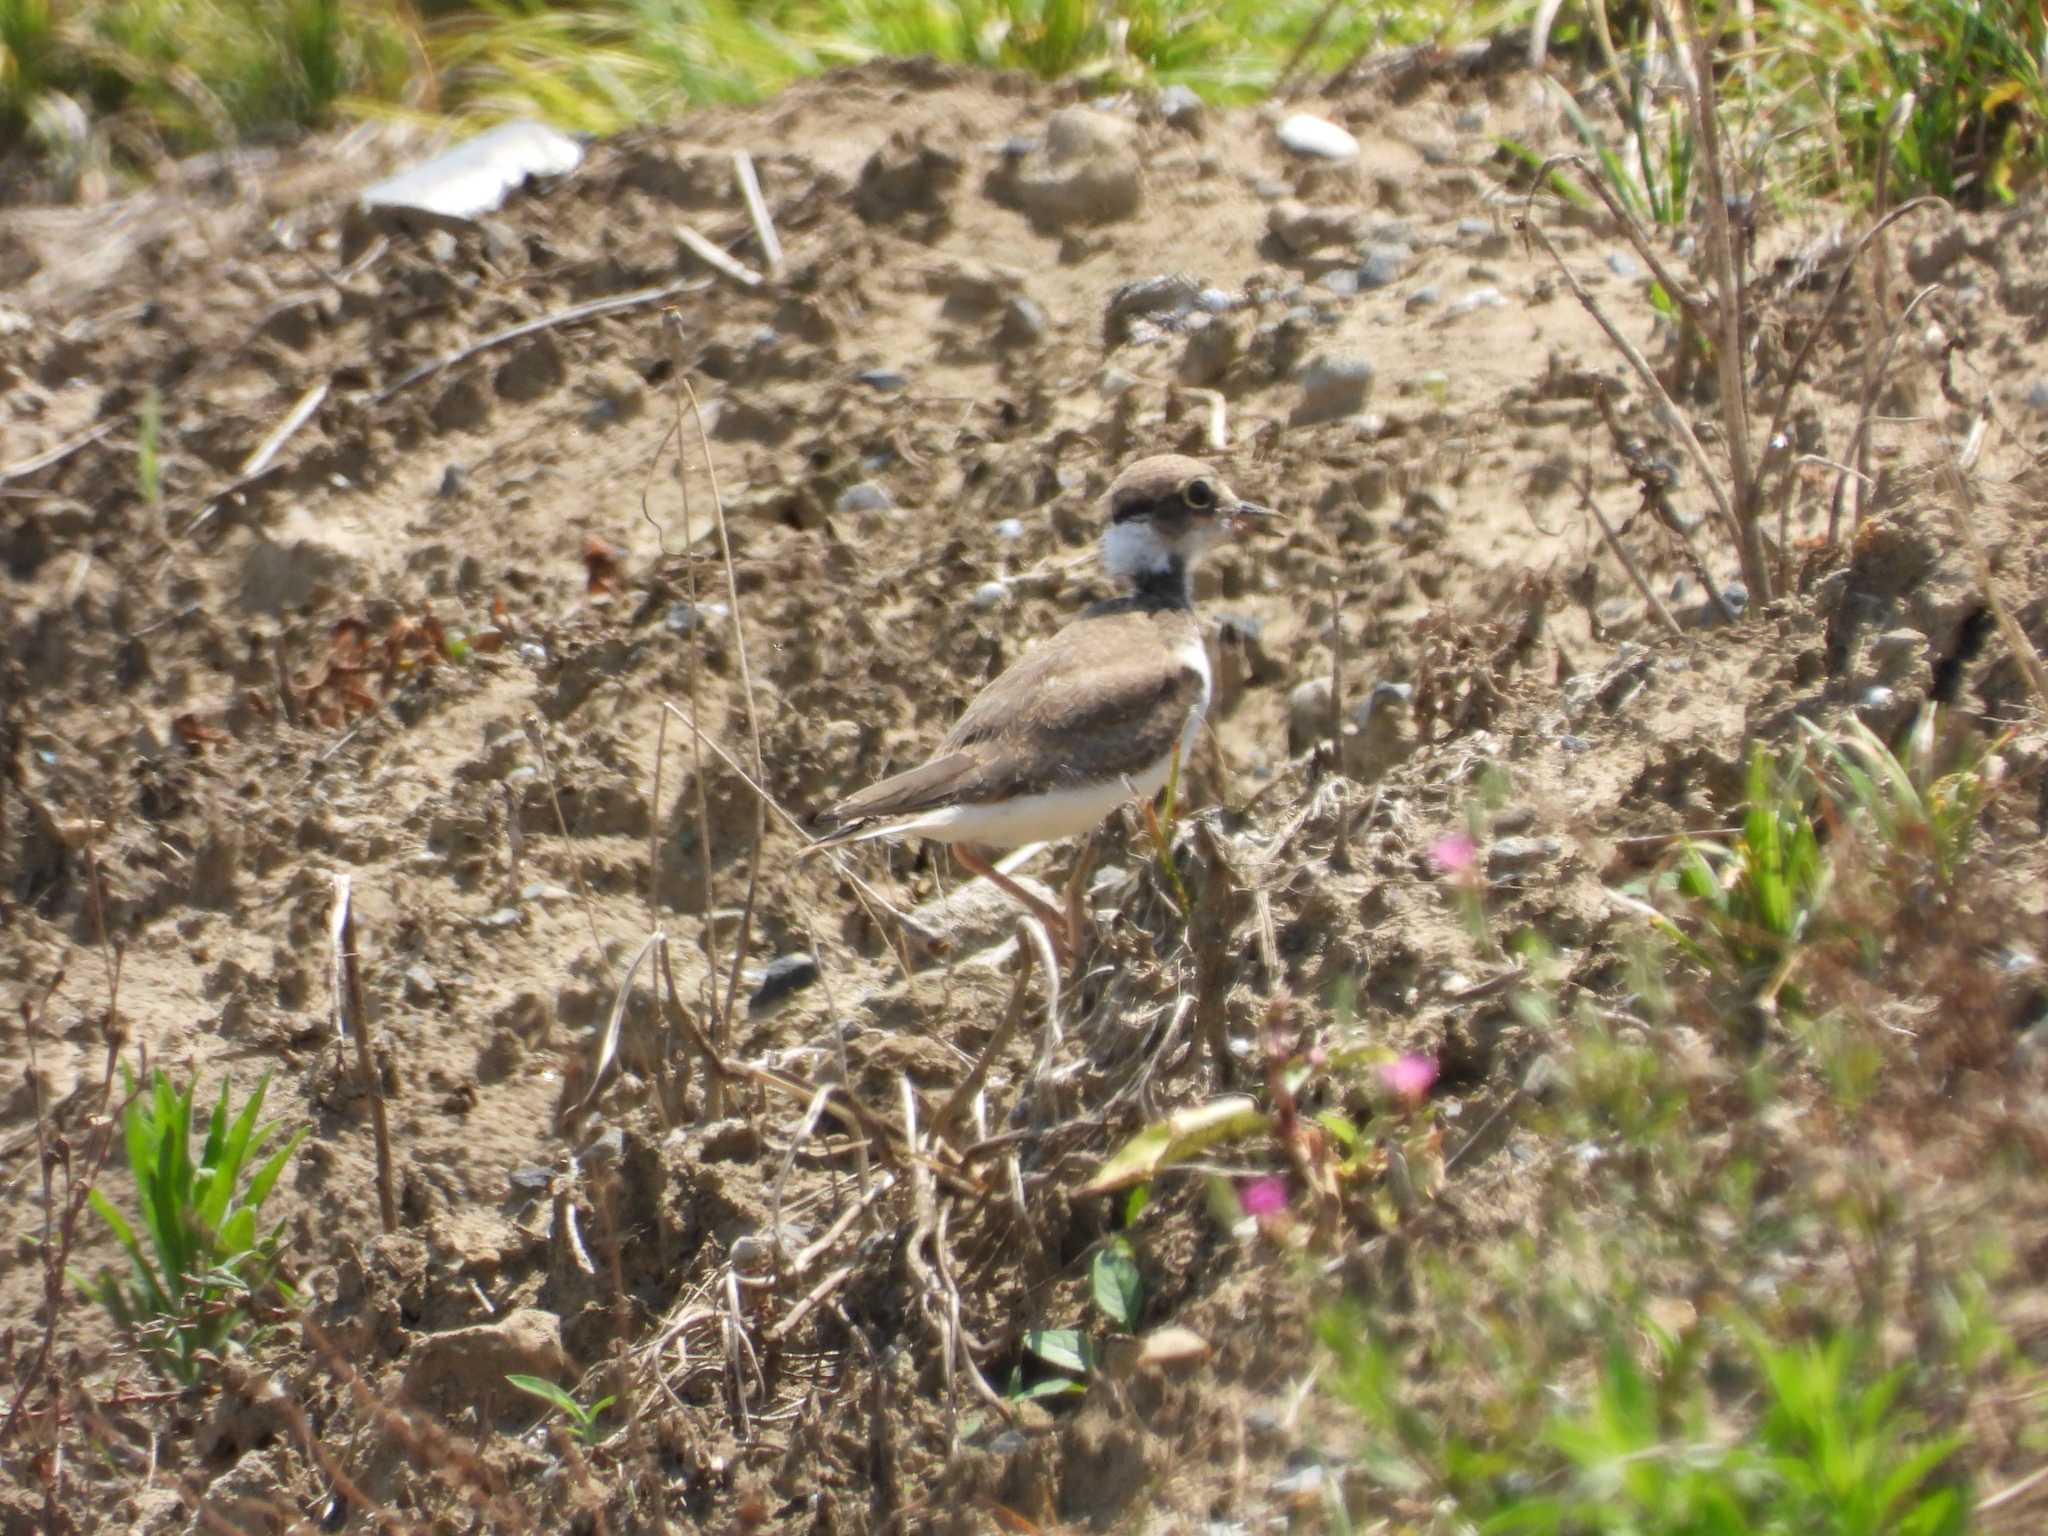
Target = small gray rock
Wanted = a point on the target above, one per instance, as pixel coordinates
(1624, 266)
(1183, 109)
(2037, 395)
(1010, 528)
(990, 594)
(1308, 714)
(1343, 282)
(785, 976)
(882, 380)
(1087, 172)
(1024, 323)
(1164, 300)
(1473, 229)
(1333, 386)
(864, 497)
(1384, 264)
(1425, 297)
(1510, 854)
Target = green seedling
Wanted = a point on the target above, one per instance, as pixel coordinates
(188, 1292)
(582, 1419)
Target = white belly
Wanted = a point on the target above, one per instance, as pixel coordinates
(1037, 818)
(1063, 812)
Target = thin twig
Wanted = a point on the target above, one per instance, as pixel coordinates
(712, 256)
(638, 299)
(534, 736)
(1628, 564)
(353, 1007)
(1667, 409)
(970, 1085)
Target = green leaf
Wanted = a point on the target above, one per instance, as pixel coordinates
(266, 1176)
(1179, 1136)
(1051, 1386)
(1066, 1348)
(548, 1393)
(1119, 1291)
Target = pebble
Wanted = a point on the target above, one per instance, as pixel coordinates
(531, 1180)
(2037, 395)
(684, 617)
(1473, 229)
(1216, 301)
(1334, 385)
(1087, 173)
(1024, 322)
(1384, 264)
(1574, 744)
(785, 976)
(1624, 266)
(1308, 714)
(866, 496)
(453, 479)
(990, 594)
(1516, 853)
(1182, 108)
(1424, 297)
(1164, 300)
(1477, 299)
(1343, 282)
(1010, 528)
(1307, 134)
(885, 380)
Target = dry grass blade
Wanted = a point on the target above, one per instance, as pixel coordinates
(1635, 575)
(352, 1012)
(608, 1043)
(1013, 1017)
(739, 630)
(757, 210)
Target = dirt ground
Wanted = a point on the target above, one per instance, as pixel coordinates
(441, 626)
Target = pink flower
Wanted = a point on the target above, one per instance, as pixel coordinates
(1265, 1196)
(1409, 1077)
(1454, 854)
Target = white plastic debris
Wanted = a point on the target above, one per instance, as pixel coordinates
(477, 175)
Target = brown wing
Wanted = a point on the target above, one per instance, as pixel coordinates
(1092, 703)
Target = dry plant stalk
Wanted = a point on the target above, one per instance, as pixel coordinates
(352, 1016)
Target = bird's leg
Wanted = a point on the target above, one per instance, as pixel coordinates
(1056, 921)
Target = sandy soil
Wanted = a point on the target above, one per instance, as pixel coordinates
(213, 705)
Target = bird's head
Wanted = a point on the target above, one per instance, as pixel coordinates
(1164, 513)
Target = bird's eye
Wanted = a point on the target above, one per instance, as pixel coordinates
(1199, 494)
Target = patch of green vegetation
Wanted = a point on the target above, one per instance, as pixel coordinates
(1955, 86)
(189, 1293)
(582, 1417)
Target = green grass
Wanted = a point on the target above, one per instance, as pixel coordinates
(187, 1293)
(1954, 88)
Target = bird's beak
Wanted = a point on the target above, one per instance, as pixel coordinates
(1246, 516)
